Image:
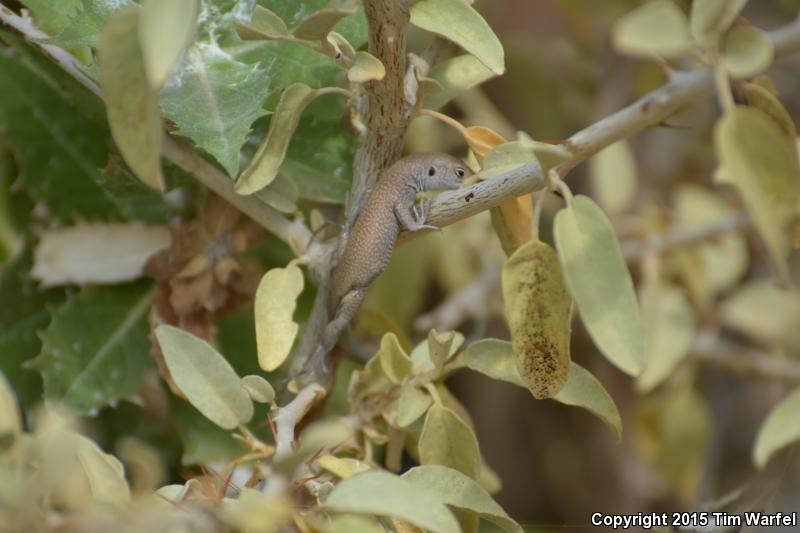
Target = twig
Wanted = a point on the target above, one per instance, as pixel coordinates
(294, 233)
(287, 418)
(712, 351)
(685, 236)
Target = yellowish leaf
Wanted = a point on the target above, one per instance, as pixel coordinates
(366, 67)
(264, 24)
(746, 51)
(320, 23)
(613, 177)
(448, 441)
(10, 418)
(710, 18)
(166, 30)
(455, 76)
(342, 467)
(259, 389)
(765, 313)
(762, 95)
(395, 362)
(104, 472)
(780, 429)
(276, 299)
(655, 28)
(538, 309)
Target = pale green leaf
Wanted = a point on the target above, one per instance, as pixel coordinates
(549, 155)
(600, 283)
(655, 28)
(583, 390)
(52, 17)
(455, 76)
(325, 433)
(409, 407)
(342, 467)
(96, 350)
(104, 472)
(762, 95)
(710, 18)
(281, 194)
(493, 358)
(457, 21)
(383, 494)
(509, 154)
(132, 103)
(670, 326)
(761, 161)
(765, 313)
(214, 100)
(780, 429)
(319, 24)
(276, 299)
(166, 30)
(259, 389)
(449, 441)
(206, 379)
(264, 24)
(10, 418)
(538, 309)
(396, 364)
(613, 177)
(366, 67)
(442, 346)
(746, 51)
(457, 490)
(84, 28)
(352, 524)
(265, 164)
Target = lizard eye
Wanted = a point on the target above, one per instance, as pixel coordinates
(460, 172)
(431, 171)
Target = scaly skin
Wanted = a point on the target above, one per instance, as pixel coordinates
(389, 209)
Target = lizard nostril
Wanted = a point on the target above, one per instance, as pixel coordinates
(431, 171)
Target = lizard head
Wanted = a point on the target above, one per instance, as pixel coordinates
(440, 171)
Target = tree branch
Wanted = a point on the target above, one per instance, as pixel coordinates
(709, 350)
(294, 233)
(290, 415)
(649, 110)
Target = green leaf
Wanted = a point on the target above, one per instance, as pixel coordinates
(264, 24)
(383, 494)
(459, 491)
(538, 308)
(669, 325)
(259, 389)
(131, 103)
(600, 283)
(407, 409)
(20, 323)
(456, 76)
(53, 17)
(10, 417)
(457, 21)
(583, 390)
(214, 100)
(104, 472)
(746, 51)
(780, 429)
(448, 441)
(281, 194)
(761, 161)
(493, 358)
(319, 24)
(276, 299)
(85, 27)
(205, 377)
(166, 30)
(396, 364)
(366, 67)
(265, 164)
(613, 177)
(655, 28)
(59, 134)
(710, 18)
(95, 350)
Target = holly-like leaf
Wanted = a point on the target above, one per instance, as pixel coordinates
(214, 100)
(86, 25)
(95, 350)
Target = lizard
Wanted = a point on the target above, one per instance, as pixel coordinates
(390, 209)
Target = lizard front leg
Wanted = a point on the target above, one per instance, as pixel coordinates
(413, 219)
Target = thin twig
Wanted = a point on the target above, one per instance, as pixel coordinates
(287, 417)
(714, 352)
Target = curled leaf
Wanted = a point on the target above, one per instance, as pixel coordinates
(205, 377)
(267, 160)
(320, 23)
(459, 22)
(104, 473)
(762, 95)
(366, 67)
(276, 299)
(396, 364)
(538, 309)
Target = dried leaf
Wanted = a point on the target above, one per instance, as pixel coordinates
(276, 299)
(538, 308)
(96, 253)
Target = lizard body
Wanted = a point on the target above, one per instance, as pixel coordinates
(390, 209)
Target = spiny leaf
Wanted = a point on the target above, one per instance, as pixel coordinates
(459, 22)
(205, 377)
(276, 299)
(600, 283)
(166, 30)
(85, 27)
(538, 308)
(131, 101)
(383, 494)
(264, 166)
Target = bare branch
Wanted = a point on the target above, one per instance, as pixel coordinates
(709, 350)
(290, 415)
